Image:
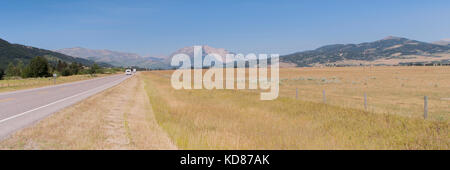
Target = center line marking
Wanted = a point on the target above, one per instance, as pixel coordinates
(42, 92)
(5, 100)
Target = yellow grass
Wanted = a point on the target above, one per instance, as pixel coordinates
(392, 90)
(130, 116)
(236, 119)
(20, 84)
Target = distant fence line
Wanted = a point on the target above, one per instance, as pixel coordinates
(400, 64)
(324, 101)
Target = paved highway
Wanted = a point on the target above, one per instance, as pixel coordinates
(19, 109)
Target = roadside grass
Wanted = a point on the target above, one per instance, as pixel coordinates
(28, 83)
(237, 119)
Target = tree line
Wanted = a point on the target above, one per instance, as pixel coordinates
(40, 67)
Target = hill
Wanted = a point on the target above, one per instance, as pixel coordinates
(115, 58)
(388, 51)
(125, 59)
(15, 52)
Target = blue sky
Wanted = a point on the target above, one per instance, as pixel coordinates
(257, 26)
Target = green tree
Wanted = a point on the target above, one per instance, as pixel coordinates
(74, 68)
(61, 66)
(66, 72)
(1, 74)
(19, 68)
(94, 69)
(38, 67)
(11, 70)
(26, 72)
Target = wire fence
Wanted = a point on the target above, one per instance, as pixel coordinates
(440, 106)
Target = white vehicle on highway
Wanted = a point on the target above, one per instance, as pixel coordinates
(128, 72)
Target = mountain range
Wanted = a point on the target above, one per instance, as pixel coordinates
(17, 52)
(125, 59)
(115, 58)
(388, 51)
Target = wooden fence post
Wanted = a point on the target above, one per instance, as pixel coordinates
(425, 107)
(365, 101)
(324, 97)
(296, 93)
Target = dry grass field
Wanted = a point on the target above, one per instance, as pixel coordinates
(391, 90)
(145, 112)
(237, 119)
(28, 83)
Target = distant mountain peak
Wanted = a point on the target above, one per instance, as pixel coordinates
(445, 41)
(205, 51)
(392, 38)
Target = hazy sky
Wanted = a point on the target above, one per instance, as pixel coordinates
(258, 26)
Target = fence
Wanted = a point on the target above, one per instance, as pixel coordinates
(365, 101)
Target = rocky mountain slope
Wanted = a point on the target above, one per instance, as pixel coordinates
(387, 51)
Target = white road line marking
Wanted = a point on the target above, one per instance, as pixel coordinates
(64, 99)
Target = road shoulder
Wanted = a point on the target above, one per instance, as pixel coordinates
(117, 118)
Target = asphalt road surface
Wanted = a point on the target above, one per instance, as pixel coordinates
(22, 108)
